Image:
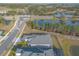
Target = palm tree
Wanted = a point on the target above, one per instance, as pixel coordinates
(68, 29)
(47, 26)
(32, 24)
(43, 26)
(60, 28)
(76, 29)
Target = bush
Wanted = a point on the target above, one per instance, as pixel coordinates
(12, 53)
(22, 44)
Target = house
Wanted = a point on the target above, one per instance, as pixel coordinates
(37, 39)
(41, 40)
(18, 52)
(39, 44)
(34, 51)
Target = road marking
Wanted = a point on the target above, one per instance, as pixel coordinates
(12, 30)
(16, 40)
(9, 31)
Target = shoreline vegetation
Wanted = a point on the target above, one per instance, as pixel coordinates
(68, 27)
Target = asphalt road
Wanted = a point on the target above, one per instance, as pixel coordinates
(9, 41)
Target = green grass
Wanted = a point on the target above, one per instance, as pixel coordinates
(22, 44)
(17, 36)
(18, 44)
(12, 53)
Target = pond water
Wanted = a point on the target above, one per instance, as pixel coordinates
(66, 22)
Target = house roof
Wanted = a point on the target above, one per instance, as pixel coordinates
(18, 50)
(41, 39)
(33, 51)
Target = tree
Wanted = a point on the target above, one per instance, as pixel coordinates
(76, 30)
(68, 29)
(13, 12)
(37, 9)
(12, 53)
(60, 28)
(1, 19)
(22, 44)
(54, 18)
(31, 24)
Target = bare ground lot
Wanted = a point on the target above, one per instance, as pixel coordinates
(28, 29)
(6, 28)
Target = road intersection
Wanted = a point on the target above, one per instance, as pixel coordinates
(10, 38)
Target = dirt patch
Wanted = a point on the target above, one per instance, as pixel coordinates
(6, 28)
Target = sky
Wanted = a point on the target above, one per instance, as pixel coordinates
(39, 1)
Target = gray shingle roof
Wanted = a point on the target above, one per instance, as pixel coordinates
(41, 39)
